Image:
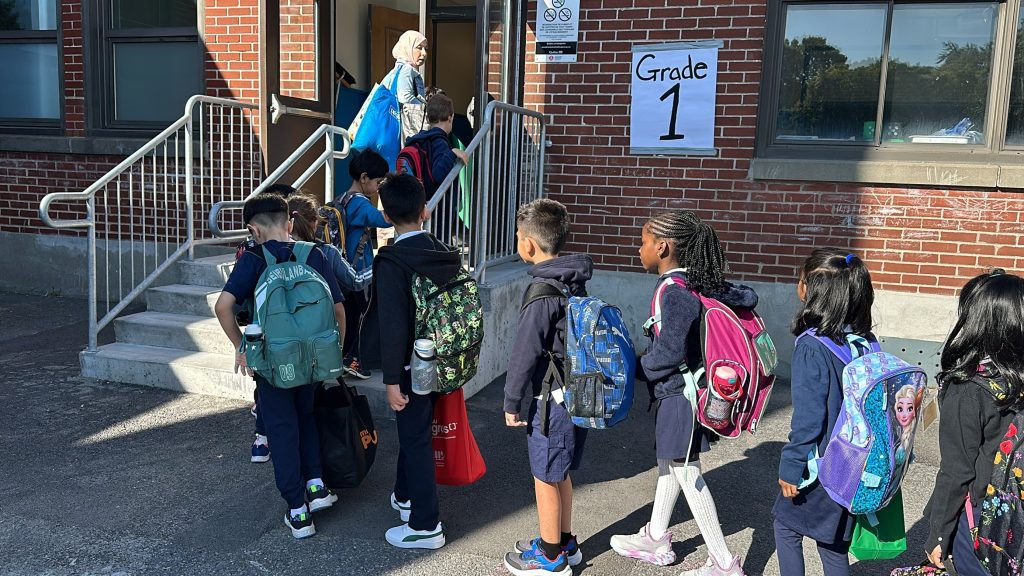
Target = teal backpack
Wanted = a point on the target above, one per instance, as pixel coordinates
(294, 307)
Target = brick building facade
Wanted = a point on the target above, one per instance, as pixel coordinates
(924, 218)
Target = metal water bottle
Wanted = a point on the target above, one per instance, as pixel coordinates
(423, 366)
(724, 391)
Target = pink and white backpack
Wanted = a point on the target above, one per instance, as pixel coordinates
(734, 338)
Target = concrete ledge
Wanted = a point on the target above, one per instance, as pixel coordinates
(897, 172)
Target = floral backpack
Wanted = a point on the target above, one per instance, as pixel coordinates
(999, 535)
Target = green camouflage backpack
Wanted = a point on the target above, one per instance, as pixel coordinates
(296, 312)
(453, 317)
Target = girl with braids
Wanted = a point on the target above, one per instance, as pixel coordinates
(679, 245)
(303, 210)
(835, 288)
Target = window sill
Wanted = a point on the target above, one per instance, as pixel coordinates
(67, 145)
(944, 174)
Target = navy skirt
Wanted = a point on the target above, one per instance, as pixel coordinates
(814, 514)
(674, 428)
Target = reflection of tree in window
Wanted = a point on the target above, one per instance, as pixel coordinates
(1015, 125)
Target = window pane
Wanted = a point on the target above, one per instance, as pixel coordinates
(1015, 126)
(940, 61)
(153, 80)
(29, 84)
(831, 69)
(28, 14)
(153, 13)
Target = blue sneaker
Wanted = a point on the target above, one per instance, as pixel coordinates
(534, 563)
(260, 450)
(572, 552)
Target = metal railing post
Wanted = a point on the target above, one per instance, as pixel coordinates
(329, 168)
(93, 312)
(190, 218)
(485, 174)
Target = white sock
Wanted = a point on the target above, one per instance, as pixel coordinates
(702, 505)
(261, 439)
(314, 482)
(664, 500)
(296, 511)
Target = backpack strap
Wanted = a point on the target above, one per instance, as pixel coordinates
(856, 345)
(364, 239)
(268, 256)
(654, 322)
(539, 291)
(302, 250)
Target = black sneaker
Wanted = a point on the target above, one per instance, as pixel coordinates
(320, 498)
(301, 525)
(356, 370)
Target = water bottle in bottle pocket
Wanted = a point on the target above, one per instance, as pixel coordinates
(724, 391)
(424, 366)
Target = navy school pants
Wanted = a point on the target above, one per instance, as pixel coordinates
(287, 417)
(414, 478)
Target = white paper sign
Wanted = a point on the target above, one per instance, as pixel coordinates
(672, 110)
(557, 30)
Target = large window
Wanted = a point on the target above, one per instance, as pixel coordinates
(150, 61)
(845, 79)
(29, 63)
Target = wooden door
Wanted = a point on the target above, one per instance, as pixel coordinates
(297, 39)
(386, 26)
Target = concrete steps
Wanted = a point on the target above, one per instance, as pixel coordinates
(178, 344)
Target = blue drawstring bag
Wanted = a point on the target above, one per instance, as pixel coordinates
(381, 126)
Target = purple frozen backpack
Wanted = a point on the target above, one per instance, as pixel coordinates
(869, 451)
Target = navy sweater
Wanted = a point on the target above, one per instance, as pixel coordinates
(817, 390)
(679, 338)
(542, 327)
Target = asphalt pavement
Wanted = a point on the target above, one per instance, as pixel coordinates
(105, 478)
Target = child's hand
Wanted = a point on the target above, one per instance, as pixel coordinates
(788, 490)
(461, 154)
(935, 557)
(513, 421)
(241, 365)
(396, 399)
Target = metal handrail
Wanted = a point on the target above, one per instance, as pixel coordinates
(483, 141)
(325, 160)
(125, 166)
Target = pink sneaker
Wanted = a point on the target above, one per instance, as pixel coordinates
(642, 547)
(711, 568)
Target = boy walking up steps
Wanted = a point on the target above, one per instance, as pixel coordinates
(542, 230)
(287, 412)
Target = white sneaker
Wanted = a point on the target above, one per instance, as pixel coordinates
(711, 568)
(405, 537)
(404, 508)
(642, 546)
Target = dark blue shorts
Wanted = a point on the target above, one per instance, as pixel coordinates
(554, 455)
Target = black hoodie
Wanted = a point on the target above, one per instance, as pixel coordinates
(542, 327)
(679, 337)
(391, 302)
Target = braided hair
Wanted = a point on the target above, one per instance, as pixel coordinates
(695, 246)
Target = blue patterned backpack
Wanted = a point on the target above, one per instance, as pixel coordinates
(595, 378)
(871, 444)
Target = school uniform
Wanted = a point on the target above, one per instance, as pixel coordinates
(677, 341)
(971, 428)
(817, 392)
(392, 309)
(285, 414)
(541, 330)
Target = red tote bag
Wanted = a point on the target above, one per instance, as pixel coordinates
(457, 458)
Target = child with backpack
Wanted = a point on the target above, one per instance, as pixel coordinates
(360, 217)
(836, 291)
(304, 212)
(276, 342)
(554, 443)
(415, 253)
(981, 433)
(686, 254)
(429, 157)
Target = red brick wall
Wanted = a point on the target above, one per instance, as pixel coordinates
(915, 240)
(298, 49)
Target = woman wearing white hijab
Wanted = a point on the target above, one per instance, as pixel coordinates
(410, 53)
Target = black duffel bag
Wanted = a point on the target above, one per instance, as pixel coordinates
(348, 438)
